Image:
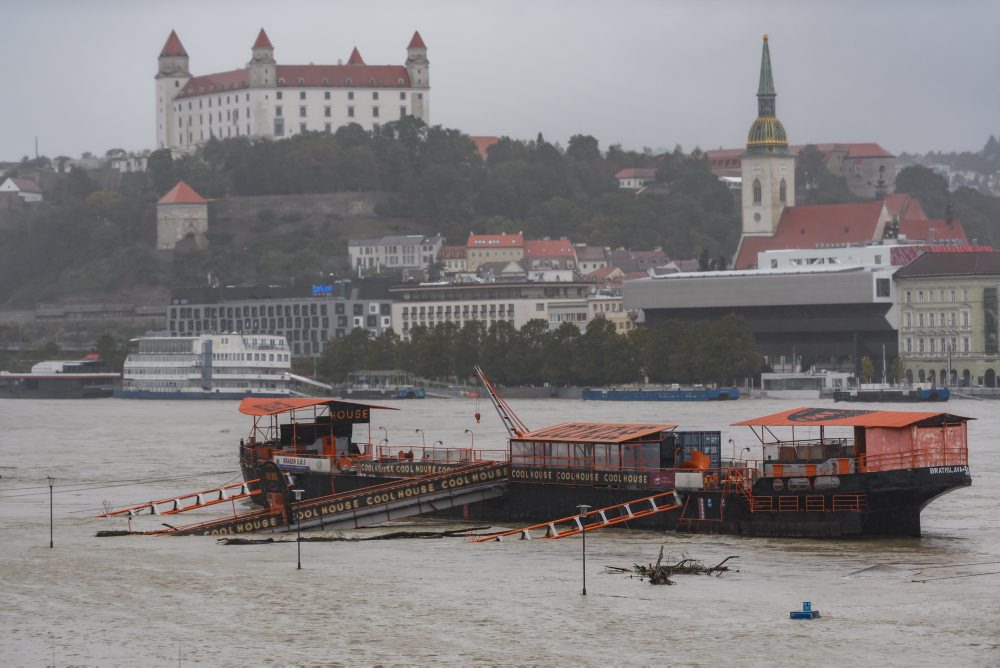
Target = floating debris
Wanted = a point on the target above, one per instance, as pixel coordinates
(805, 613)
(659, 574)
(117, 532)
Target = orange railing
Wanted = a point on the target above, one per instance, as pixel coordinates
(430, 454)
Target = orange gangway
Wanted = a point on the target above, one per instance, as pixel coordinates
(185, 502)
(657, 503)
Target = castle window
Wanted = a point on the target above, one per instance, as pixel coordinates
(326, 82)
(374, 93)
(302, 93)
(756, 191)
(279, 127)
(281, 81)
(177, 84)
(402, 112)
(302, 81)
(328, 127)
(277, 111)
(399, 81)
(375, 112)
(402, 94)
(350, 112)
(277, 95)
(326, 94)
(782, 191)
(371, 82)
(326, 111)
(302, 112)
(348, 82)
(302, 127)
(350, 95)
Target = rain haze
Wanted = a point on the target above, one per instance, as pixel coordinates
(912, 76)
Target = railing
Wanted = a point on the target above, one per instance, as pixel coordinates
(434, 455)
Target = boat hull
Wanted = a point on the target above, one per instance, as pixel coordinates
(893, 396)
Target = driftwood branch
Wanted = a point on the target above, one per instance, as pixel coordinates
(659, 574)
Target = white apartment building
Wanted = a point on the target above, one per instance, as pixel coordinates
(516, 303)
(412, 251)
(265, 99)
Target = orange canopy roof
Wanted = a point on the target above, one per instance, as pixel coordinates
(836, 417)
(258, 406)
(594, 432)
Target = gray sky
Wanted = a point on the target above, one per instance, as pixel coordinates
(913, 76)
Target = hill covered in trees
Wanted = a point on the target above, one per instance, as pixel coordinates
(93, 238)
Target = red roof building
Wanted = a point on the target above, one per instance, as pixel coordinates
(182, 193)
(355, 58)
(549, 254)
(483, 144)
(263, 41)
(181, 218)
(482, 248)
(635, 178)
(173, 47)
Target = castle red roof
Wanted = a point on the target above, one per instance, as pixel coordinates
(355, 58)
(814, 226)
(549, 248)
(262, 41)
(417, 42)
(182, 193)
(325, 76)
(901, 205)
(452, 253)
(173, 46)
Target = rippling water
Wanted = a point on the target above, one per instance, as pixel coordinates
(153, 601)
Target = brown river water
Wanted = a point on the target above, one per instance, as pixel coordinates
(148, 601)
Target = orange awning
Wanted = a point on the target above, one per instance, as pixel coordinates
(594, 432)
(836, 417)
(258, 406)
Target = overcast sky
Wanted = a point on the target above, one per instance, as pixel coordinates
(912, 75)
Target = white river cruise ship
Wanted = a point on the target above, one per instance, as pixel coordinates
(209, 366)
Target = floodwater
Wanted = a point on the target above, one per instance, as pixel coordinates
(140, 600)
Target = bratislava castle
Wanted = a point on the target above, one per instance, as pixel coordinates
(265, 99)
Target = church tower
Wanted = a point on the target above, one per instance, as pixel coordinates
(767, 165)
(418, 67)
(173, 74)
(262, 64)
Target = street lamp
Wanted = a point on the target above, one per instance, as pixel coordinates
(583, 534)
(472, 445)
(423, 441)
(386, 434)
(298, 527)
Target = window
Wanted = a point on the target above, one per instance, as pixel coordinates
(277, 95)
(277, 111)
(402, 95)
(539, 306)
(326, 112)
(302, 127)
(327, 128)
(402, 112)
(326, 94)
(302, 112)
(881, 284)
(907, 320)
(756, 191)
(782, 191)
(907, 296)
(908, 342)
(350, 93)
(279, 127)
(375, 112)
(302, 93)
(350, 112)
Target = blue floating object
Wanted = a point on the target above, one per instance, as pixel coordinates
(805, 613)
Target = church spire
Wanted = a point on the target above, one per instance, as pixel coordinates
(767, 134)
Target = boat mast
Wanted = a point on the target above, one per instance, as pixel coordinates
(515, 428)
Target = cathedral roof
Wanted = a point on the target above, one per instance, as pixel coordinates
(355, 58)
(262, 41)
(173, 46)
(182, 193)
(815, 226)
(416, 42)
(325, 76)
(766, 86)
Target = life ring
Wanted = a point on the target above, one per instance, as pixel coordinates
(344, 463)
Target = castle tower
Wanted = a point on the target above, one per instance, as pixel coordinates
(262, 64)
(418, 67)
(170, 79)
(767, 165)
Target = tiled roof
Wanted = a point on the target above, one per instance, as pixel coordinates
(355, 58)
(590, 253)
(903, 255)
(262, 41)
(813, 226)
(416, 42)
(637, 172)
(26, 185)
(946, 264)
(548, 248)
(901, 205)
(173, 46)
(319, 76)
(483, 144)
(933, 230)
(496, 241)
(182, 193)
(603, 273)
(452, 253)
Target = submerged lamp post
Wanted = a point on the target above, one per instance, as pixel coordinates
(386, 434)
(423, 439)
(298, 527)
(51, 530)
(473, 438)
(583, 535)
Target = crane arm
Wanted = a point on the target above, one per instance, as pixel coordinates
(515, 428)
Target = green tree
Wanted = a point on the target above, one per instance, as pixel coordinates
(866, 369)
